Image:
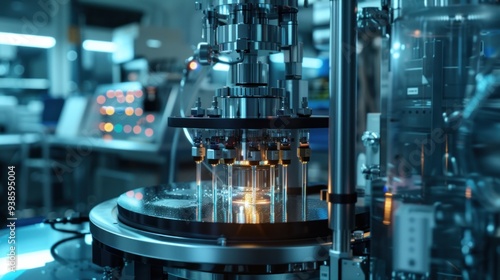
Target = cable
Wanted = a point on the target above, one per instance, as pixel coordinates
(53, 248)
(53, 226)
(175, 139)
(75, 219)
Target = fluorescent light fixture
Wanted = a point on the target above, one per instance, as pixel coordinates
(25, 40)
(221, 67)
(153, 43)
(307, 62)
(24, 83)
(99, 46)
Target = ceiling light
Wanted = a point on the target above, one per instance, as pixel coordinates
(99, 46)
(25, 40)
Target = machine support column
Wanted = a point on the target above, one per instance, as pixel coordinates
(342, 130)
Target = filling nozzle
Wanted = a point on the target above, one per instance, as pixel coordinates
(214, 153)
(285, 156)
(198, 151)
(272, 153)
(304, 151)
(229, 151)
(254, 154)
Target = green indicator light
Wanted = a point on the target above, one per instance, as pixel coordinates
(118, 128)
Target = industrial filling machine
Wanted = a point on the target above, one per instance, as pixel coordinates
(433, 196)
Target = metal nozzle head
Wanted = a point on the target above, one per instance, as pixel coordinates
(304, 154)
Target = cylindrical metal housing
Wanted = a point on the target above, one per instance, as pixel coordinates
(342, 114)
(249, 74)
(249, 107)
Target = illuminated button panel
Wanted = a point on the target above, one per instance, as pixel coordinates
(122, 115)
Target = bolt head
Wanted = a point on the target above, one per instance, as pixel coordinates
(197, 112)
(304, 112)
(284, 112)
(214, 112)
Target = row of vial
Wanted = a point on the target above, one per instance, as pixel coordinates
(253, 148)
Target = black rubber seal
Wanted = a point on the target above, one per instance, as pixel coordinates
(339, 198)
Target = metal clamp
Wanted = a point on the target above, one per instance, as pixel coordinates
(371, 171)
(370, 139)
(338, 198)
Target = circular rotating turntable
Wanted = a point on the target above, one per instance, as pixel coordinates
(158, 225)
(173, 210)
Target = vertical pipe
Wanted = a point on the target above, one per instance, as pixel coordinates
(342, 128)
(272, 183)
(214, 191)
(254, 184)
(199, 189)
(304, 191)
(254, 192)
(230, 193)
(284, 177)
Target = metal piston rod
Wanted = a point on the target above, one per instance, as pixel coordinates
(342, 132)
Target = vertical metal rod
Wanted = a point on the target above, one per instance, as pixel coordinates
(254, 193)
(272, 184)
(304, 191)
(342, 123)
(230, 193)
(254, 184)
(284, 177)
(199, 189)
(214, 191)
(240, 217)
